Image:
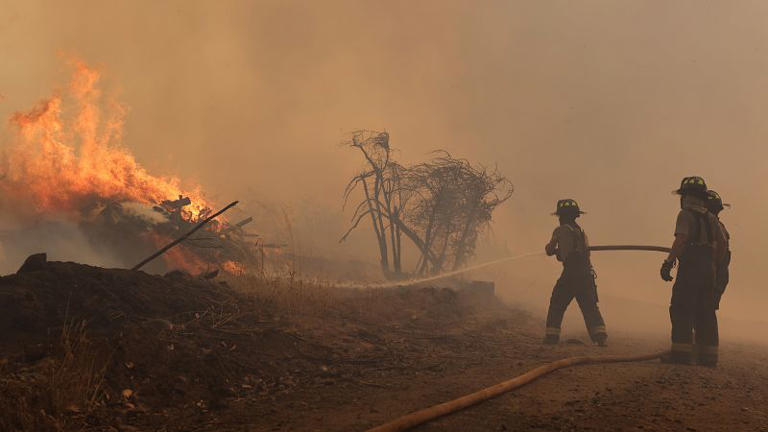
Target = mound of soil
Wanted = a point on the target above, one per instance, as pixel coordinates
(86, 348)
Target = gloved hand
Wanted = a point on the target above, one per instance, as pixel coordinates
(593, 272)
(666, 269)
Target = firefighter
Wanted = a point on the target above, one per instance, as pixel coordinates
(715, 206)
(569, 243)
(698, 245)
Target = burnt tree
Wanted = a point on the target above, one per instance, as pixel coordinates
(451, 203)
(441, 205)
(380, 184)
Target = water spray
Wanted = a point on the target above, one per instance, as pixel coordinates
(415, 281)
(600, 248)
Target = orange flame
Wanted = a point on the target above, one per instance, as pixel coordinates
(233, 267)
(58, 159)
(179, 257)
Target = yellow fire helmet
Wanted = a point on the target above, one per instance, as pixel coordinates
(693, 184)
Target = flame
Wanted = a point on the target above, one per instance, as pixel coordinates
(68, 150)
(233, 267)
(179, 257)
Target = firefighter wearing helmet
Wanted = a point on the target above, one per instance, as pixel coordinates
(699, 244)
(569, 243)
(715, 206)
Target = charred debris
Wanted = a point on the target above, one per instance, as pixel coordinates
(135, 231)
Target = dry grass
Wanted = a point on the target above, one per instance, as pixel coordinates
(76, 379)
(300, 299)
(288, 294)
(58, 392)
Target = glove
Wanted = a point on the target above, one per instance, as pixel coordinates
(593, 272)
(666, 268)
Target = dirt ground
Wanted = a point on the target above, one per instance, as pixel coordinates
(616, 397)
(84, 348)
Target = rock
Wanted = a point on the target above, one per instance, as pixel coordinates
(34, 262)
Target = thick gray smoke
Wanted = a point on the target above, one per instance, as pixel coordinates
(610, 103)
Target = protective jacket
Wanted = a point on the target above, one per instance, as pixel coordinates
(576, 281)
(692, 307)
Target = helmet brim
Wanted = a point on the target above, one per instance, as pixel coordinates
(682, 192)
(558, 214)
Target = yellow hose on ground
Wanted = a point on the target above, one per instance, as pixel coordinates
(414, 419)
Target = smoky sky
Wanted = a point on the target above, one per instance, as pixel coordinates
(610, 103)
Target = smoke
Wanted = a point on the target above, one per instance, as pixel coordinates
(144, 212)
(61, 239)
(609, 103)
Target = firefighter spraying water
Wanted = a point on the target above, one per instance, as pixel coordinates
(569, 243)
(700, 246)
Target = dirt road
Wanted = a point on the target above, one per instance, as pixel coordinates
(334, 361)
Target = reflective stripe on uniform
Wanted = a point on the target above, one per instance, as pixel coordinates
(554, 331)
(682, 347)
(597, 329)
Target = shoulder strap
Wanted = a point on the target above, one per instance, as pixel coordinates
(580, 236)
(702, 219)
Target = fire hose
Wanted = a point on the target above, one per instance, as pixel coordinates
(629, 248)
(422, 416)
(419, 417)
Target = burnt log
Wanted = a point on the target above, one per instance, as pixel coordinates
(237, 226)
(183, 237)
(176, 204)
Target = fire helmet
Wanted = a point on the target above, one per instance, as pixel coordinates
(715, 202)
(567, 207)
(692, 185)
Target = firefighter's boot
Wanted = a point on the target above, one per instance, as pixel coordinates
(601, 339)
(707, 355)
(679, 354)
(552, 336)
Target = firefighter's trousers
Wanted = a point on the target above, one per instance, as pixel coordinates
(576, 282)
(692, 308)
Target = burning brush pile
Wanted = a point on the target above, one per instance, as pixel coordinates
(64, 166)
